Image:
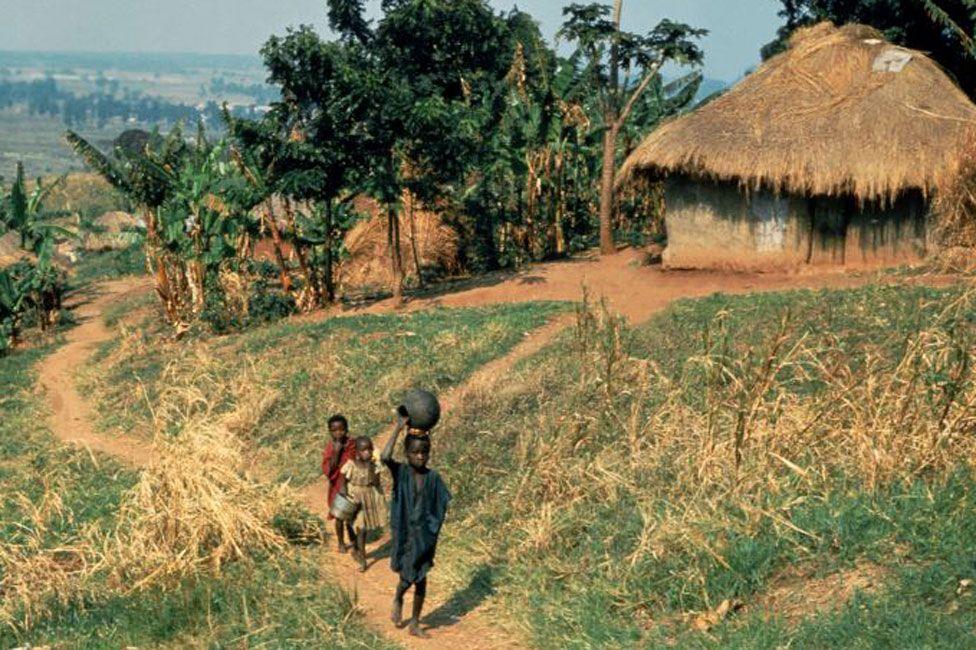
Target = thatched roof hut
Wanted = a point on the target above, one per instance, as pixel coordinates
(843, 119)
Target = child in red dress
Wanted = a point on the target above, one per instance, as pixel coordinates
(338, 452)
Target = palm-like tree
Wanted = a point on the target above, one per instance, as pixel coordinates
(24, 212)
(145, 179)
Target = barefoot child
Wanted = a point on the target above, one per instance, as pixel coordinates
(363, 487)
(417, 512)
(339, 450)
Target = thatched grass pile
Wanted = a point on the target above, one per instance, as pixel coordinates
(369, 263)
(193, 511)
(841, 112)
(198, 505)
(954, 211)
(113, 231)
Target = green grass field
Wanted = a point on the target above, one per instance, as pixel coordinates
(597, 509)
(38, 142)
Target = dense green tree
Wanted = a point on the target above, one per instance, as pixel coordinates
(432, 67)
(317, 137)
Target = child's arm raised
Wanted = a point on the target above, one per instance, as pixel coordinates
(387, 454)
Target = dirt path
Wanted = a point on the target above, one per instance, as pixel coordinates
(635, 291)
(71, 416)
(374, 589)
(72, 420)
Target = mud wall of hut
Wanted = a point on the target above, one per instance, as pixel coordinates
(717, 226)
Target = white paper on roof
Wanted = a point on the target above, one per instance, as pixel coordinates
(893, 59)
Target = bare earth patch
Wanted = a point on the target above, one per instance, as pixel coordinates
(796, 594)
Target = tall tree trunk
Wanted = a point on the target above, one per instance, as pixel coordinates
(393, 245)
(272, 225)
(330, 293)
(311, 285)
(612, 115)
(413, 241)
(607, 190)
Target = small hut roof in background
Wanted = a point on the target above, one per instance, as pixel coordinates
(842, 111)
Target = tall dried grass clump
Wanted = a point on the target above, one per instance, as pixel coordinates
(197, 505)
(954, 209)
(193, 510)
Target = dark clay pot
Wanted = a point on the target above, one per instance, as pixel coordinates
(421, 409)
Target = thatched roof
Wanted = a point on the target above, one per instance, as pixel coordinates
(842, 111)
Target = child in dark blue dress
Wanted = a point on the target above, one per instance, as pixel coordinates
(417, 512)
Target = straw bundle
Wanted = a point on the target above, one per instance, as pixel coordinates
(369, 262)
(113, 231)
(193, 510)
(841, 112)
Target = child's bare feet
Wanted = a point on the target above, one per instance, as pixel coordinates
(341, 548)
(397, 615)
(416, 630)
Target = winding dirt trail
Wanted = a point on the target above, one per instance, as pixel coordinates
(71, 417)
(635, 291)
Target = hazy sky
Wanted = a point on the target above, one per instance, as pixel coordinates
(738, 27)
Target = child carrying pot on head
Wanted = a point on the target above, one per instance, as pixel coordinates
(417, 512)
(363, 488)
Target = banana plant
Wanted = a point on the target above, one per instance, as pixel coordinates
(25, 213)
(12, 295)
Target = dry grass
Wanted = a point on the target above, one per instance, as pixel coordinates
(818, 119)
(369, 262)
(611, 478)
(197, 506)
(35, 577)
(954, 209)
(739, 426)
(194, 509)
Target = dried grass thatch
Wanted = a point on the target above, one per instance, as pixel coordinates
(196, 507)
(369, 262)
(841, 112)
(114, 231)
(954, 209)
(193, 510)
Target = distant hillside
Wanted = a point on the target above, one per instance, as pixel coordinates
(130, 61)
